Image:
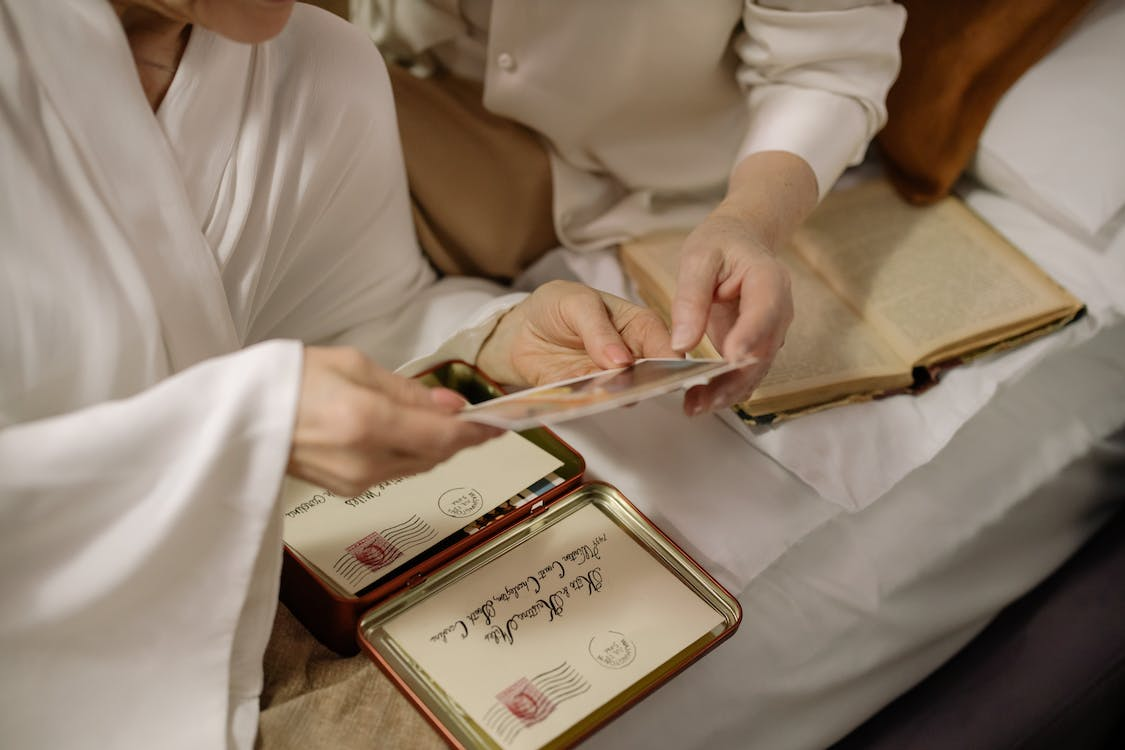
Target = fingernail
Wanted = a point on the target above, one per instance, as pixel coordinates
(693, 407)
(448, 398)
(619, 355)
(681, 338)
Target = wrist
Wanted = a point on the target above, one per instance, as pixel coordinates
(770, 194)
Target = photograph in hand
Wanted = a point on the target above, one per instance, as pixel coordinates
(597, 392)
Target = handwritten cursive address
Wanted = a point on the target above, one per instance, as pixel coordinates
(536, 598)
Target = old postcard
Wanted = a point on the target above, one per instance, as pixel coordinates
(601, 391)
(552, 630)
(356, 540)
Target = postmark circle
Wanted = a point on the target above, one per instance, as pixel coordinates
(461, 502)
(612, 650)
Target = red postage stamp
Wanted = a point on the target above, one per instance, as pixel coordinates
(374, 551)
(526, 702)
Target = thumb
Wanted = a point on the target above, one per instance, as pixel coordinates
(447, 399)
(406, 391)
(410, 392)
(691, 304)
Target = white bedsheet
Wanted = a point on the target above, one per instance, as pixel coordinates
(848, 603)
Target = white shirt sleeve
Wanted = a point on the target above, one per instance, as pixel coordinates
(816, 73)
(162, 506)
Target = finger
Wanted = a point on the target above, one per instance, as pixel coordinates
(317, 470)
(410, 392)
(695, 289)
(348, 475)
(648, 336)
(723, 317)
(429, 435)
(345, 472)
(447, 399)
(726, 390)
(589, 317)
(765, 311)
(361, 370)
(367, 421)
(643, 331)
(353, 418)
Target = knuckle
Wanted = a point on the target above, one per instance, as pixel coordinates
(412, 392)
(551, 286)
(461, 436)
(351, 487)
(350, 360)
(351, 430)
(446, 443)
(649, 318)
(413, 466)
(560, 286)
(357, 422)
(354, 477)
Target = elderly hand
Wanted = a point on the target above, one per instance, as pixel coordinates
(564, 330)
(359, 424)
(731, 285)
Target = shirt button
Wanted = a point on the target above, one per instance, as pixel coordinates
(506, 62)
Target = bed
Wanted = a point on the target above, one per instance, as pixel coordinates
(856, 583)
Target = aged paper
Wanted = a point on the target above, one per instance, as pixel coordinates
(553, 629)
(928, 278)
(827, 344)
(829, 348)
(884, 288)
(356, 540)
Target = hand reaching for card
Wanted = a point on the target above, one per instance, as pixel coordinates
(564, 330)
(358, 424)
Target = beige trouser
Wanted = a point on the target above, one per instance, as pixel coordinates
(480, 184)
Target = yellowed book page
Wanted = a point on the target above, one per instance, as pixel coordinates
(552, 630)
(829, 350)
(354, 541)
(935, 281)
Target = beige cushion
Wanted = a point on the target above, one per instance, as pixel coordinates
(313, 698)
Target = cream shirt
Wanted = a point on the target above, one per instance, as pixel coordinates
(648, 104)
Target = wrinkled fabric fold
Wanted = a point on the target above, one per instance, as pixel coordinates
(161, 272)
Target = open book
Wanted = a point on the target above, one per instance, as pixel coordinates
(887, 296)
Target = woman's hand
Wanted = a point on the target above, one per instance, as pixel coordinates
(730, 283)
(735, 289)
(359, 424)
(564, 330)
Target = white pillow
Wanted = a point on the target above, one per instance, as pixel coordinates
(1056, 140)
